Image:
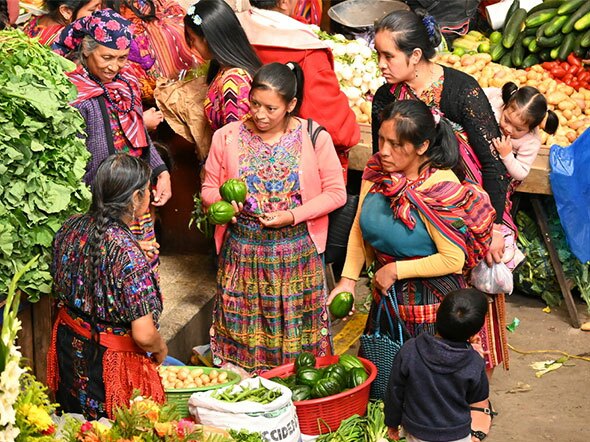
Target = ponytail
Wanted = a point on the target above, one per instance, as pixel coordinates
(551, 123)
(532, 104)
(443, 152)
(285, 79)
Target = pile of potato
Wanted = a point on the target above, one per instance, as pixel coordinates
(174, 378)
(571, 107)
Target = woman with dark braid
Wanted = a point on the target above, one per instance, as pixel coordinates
(109, 301)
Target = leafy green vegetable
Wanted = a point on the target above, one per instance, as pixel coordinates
(536, 275)
(43, 158)
(246, 436)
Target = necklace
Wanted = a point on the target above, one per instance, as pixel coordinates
(108, 95)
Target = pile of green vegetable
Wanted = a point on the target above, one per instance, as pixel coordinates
(369, 428)
(549, 31)
(259, 394)
(536, 276)
(309, 382)
(43, 158)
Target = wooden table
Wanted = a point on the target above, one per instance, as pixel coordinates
(537, 183)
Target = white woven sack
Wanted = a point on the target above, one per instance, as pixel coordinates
(276, 421)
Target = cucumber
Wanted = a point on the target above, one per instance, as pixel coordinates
(585, 41)
(578, 49)
(541, 30)
(544, 55)
(527, 40)
(506, 60)
(534, 46)
(550, 42)
(530, 31)
(497, 51)
(555, 25)
(570, 6)
(583, 23)
(538, 18)
(581, 12)
(513, 28)
(530, 60)
(554, 53)
(515, 6)
(518, 51)
(549, 4)
(567, 46)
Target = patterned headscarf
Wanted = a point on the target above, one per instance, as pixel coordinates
(105, 26)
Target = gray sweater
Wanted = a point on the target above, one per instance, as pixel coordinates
(98, 145)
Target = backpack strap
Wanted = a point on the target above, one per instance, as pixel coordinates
(313, 133)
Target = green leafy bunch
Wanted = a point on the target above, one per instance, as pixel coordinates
(43, 158)
(536, 275)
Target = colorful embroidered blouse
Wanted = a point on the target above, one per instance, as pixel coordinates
(271, 172)
(227, 98)
(45, 34)
(130, 287)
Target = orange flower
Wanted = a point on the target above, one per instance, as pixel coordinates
(163, 428)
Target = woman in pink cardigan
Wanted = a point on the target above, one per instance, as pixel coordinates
(271, 294)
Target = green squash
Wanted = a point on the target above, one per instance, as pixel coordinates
(220, 212)
(341, 304)
(305, 359)
(350, 361)
(233, 190)
(325, 387)
(338, 373)
(356, 377)
(308, 376)
(300, 393)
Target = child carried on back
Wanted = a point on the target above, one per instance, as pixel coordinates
(520, 113)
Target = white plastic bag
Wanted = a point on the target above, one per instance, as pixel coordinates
(276, 421)
(493, 280)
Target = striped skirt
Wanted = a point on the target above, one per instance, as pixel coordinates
(271, 297)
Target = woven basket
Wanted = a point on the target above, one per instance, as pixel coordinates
(181, 396)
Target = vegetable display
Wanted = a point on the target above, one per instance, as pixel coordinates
(184, 377)
(572, 107)
(369, 428)
(241, 393)
(43, 158)
(551, 30)
(355, 65)
(311, 382)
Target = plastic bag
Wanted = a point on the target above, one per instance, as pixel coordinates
(492, 280)
(570, 183)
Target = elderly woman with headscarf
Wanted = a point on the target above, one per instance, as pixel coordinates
(110, 102)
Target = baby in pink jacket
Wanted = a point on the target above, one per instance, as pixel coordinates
(520, 113)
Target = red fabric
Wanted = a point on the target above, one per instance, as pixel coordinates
(132, 122)
(323, 101)
(125, 366)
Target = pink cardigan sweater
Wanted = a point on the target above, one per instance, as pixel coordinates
(320, 178)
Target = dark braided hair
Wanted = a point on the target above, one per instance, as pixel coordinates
(116, 181)
(4, 20)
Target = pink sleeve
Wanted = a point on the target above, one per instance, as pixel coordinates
(526, 149)
(214, 170)
(333, 193)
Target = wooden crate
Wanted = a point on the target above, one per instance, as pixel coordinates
(359, 154)
(35, 335)
(538, 179)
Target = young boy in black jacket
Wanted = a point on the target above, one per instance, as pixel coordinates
(434, 379)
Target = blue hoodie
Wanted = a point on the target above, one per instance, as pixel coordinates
(432, 383)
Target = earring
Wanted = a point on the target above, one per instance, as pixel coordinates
(133, 214)
(416, 71)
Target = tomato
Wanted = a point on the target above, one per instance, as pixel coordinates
(564, 65)
(584, 75)
(575, 84)
(548, 65)
(558, 72)
(584, 84)
(573, 69)
(567, 78)
(573, 60)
